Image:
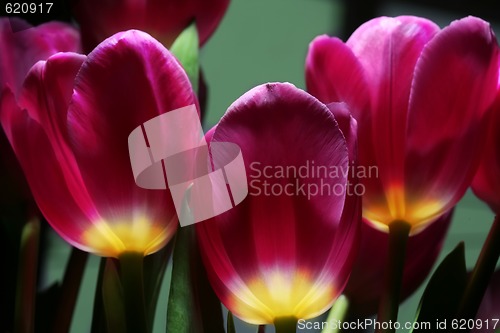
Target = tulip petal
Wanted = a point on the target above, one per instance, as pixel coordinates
(46, 95)
(43, 172)
(129, 79)
(279, 241)
(163, 19)
(37, 131)
(20, 51)
(23, 49)
(455, 82)
(349, 127)
(352, 206)
(47, 92)
(388, 64)
(334, 74)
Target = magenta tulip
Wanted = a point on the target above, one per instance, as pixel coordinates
(366, 282)
(420, 95)
(19, 51)
(69, 128)
(286, 251)
(163, 19)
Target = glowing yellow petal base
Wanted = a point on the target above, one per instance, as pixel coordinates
(417, 212)
(110, 239)
(279, 293)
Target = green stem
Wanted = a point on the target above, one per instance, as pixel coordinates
(481, 275)
(113, 304)
(230, 323)
(131, 272)
(285, 325)
(27, 278)
(399, 232)
(69, 291)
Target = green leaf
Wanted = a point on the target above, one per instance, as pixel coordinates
(337, 313)
(192, 304)
(444, 291)
(112, 297)
(186, 50)
(180, 301)
(230, 323)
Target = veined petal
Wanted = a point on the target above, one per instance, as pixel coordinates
(163, 19)
(47, 92)
(388, 49)
(45, 96)
(454, 84)
(352, 205)
(20, 51)
(348, 126)
(127, 80)
(334, 74)
(280, 254)
(23, 49)
(44, 173)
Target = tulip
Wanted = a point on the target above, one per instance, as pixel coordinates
(163, 19)
(365, 285)
(285, 254)
(18, 52)
(69, 128)
(420, 96)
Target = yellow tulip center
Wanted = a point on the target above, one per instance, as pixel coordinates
(280, 293)
(111, 239)
(400, 206)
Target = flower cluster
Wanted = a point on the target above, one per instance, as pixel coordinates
(404, 113)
